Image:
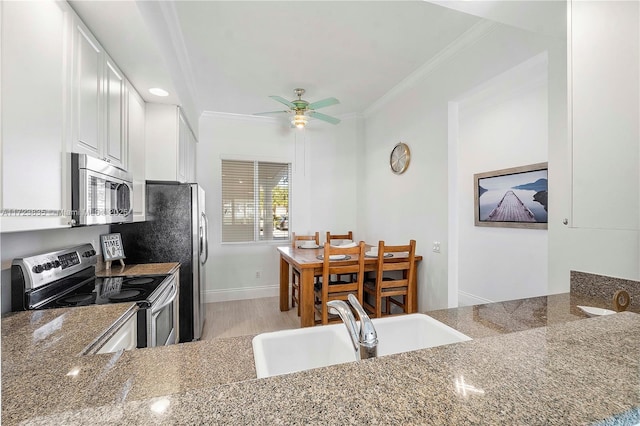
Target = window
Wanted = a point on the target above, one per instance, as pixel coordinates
(255, 201)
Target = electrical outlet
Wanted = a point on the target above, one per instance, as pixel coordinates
(436, 247)
(257, 274)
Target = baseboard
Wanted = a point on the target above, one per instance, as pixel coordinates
(227, 294)
(468, 299)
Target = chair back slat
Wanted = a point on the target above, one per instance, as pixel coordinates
(295, 238)
(339, 291)
(347, 236)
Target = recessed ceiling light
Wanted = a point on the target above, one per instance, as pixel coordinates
(158, 91)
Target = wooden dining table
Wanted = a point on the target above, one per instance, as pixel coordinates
(308, 265)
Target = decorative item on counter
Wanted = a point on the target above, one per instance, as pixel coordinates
(112, 249)
(592, 311)
(621, 300)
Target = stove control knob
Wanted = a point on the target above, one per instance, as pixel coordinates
(38, 268)
(56, 263)
(92, 252)
(47, 266)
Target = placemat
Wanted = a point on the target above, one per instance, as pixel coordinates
(321, 257)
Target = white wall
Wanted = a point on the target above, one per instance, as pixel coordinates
(502, 124)
(414, 205)
(323, 196)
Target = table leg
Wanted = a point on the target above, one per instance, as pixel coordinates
(307, 308)
(284, 284)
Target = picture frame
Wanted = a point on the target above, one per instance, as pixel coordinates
(512, 198)
(112, 248)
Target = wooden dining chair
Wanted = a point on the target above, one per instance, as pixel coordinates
(295, 275)
(347, 236)
(334, 237)
(339, 290)
(393, 279)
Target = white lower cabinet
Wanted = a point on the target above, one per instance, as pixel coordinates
(126, 337)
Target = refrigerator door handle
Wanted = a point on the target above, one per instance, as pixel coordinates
(204, 240)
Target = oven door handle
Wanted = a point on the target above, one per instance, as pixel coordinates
(169, 300)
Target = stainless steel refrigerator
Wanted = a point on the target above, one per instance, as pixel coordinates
(176, 230)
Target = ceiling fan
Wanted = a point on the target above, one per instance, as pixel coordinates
(302, 109)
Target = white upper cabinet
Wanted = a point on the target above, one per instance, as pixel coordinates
(61, 93)
(34, 115)
(87, 90)
(97, 99)
(115, 147)
(136, 142)
(605, 105)
(170, 144)
(193, 148)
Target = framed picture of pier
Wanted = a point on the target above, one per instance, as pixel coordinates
(512, 198)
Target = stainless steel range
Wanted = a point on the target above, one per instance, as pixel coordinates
(67, 278)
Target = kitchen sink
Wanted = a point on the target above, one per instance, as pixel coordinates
(288, 351)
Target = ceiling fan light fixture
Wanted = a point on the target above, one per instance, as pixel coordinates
(302, 109)
(300, 120)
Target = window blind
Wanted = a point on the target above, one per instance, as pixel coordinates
(255, 201)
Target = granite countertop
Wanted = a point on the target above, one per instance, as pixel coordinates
(533, 361)
(43, 371)
(134, 270)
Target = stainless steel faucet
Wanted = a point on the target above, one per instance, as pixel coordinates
(365, 340)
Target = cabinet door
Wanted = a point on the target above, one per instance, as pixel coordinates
(126, 338)
(193, 147)
(605, 58)
(161, 138)
(115, 143)
(87, 91)
(183, 149)
(34, 81)
(136, 143)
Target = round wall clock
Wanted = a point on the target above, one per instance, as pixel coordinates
(399, 158)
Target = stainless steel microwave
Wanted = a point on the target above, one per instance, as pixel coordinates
(100, 192)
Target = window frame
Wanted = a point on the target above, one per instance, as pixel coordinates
(256, 199)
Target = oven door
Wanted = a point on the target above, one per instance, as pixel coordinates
(162, 320)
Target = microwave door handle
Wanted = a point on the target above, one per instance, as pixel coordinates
(169, 300)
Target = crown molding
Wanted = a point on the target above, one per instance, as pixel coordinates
(267, 119)
(468, 38)
(240, 117)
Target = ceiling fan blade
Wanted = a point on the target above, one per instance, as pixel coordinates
(324, 103)
(272, 112)
(324, 117)
(283, 101)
